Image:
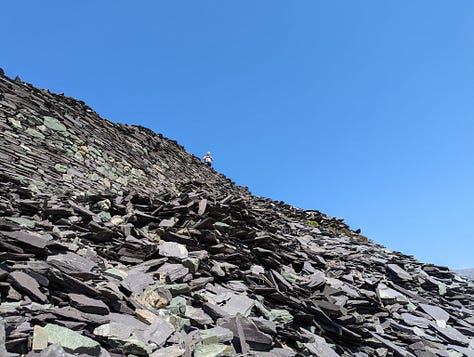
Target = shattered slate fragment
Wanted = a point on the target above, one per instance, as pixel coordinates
(27, 284)
(172, 249)
(89, 305)
(71, 341)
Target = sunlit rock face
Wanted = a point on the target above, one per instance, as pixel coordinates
(115, 241)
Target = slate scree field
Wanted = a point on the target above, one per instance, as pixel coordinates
(114, 241)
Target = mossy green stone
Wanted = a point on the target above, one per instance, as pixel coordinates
(60, 168)
(72, 341)
(22, 221)
(214, 350)
(54, 124)
(177, 306)
(34, 133)
(132, 345)
(292, 278)
(280, 316)
(313, 223)
(104, 216)
(178, 289)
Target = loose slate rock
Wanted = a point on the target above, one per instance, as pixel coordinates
(72, 341)
(89, 305)
(174, 250)
(74, 265)
(128, 218)
(27, 284)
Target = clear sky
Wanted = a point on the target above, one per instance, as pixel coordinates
(360, 109)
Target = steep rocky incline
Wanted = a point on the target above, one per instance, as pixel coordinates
(114, 241)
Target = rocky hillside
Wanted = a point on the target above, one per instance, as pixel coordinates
(115, 241)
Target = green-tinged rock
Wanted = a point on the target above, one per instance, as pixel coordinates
(103, 205)
(221, 225)
(313, 223)
(280, 317)
(132, 345)
(216, 335)
(116, 273)
(171, 351)
(6, 307)
(192, 264)
(214, 350)
(222, 268)
(93, 151)
(25, 222)
(34, 133)
(72, 341)
(54, 124)
(442, 288)
(104, 216)
(60, 168)
(78, 156)
(94, 177)
(10, 305)
(40, 338)
(178, 323)
(15, 122)
(178, 289)
(177, 306)
(292, 278)
(164, 165)
(455, 353)
(39, 307)
(103, 171)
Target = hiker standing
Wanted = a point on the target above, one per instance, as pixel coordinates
(207, 159)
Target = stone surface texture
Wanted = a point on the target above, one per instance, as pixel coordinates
(114, 241)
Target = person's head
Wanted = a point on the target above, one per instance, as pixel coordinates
(208, 153)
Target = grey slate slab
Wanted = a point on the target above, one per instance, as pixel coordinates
(452, 335)
(441, 316)
(89, 305)
(253, 336)
(33, 240)
(239, 304)
(73, 265)
(399, 272)
(173, 249)
(159, 331)
(28, 285)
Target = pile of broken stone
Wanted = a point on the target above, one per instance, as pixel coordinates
(192, 275)
(202, 268)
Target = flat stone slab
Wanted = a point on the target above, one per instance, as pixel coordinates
(440, 315)
(33, 240)
(72, 341)
(89, 305)
(27, 284)
(74, 265)
(173, 249)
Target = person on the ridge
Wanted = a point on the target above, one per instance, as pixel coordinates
(207, 159)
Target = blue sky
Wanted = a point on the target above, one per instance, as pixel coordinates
(360, 109)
